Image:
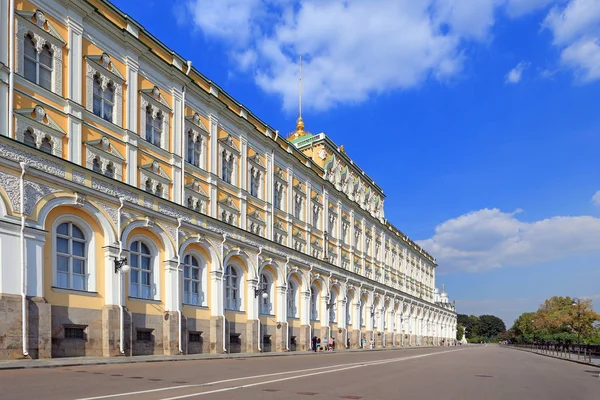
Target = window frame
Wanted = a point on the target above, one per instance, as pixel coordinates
(43, 33)
(90, 249)
(38, 63)
(240, 288)
(293, 285)
(100, 66)
(202, 278)
(315, 297)
(154, 268)
(266, 306)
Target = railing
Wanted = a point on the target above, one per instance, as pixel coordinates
(584, 352)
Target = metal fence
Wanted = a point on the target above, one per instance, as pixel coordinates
(584, 352)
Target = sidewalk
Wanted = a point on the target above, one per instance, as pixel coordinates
(77, 361)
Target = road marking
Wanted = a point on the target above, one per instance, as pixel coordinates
(356, 364)
(351, 366)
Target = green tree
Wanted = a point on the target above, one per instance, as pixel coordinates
(490, 326)
(470, 324)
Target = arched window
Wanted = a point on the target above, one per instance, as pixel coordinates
(333, 308)
(292, 293)
(153, 127)
(71, 257)
(314, 303)
(254, 181)
(110, 170)
(278, 195)
(140, 277)
(159, 190)
(29, 139)
(38, 66)
(96, 167)
(227, 166)
(192, 281)
(266, 305)
(148, 186)
(232, 289)
(104, 99)
(385, 320)
(46, 145)
(194, 149)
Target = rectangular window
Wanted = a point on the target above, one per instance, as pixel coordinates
(144, 335)
(74, 332)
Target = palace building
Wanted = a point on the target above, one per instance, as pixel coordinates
(143, 210)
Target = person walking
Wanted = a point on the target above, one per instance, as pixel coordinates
(331, 343)
(318, 344)
(314, 344)
(364, 341)
(325, 344)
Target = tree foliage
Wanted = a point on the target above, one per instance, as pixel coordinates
(459, 332)
(490, 326)
(558, 319)
(482, 328)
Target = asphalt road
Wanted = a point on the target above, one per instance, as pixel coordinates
(476, 373)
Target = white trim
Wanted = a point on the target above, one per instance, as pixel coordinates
(90, 250)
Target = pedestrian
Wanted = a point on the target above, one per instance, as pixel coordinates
(325, 344)
(318, 344)
(314, 344)
(372, 344)
(331, 343)
(364, 341)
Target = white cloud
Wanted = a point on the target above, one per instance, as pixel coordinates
(596, 198)
(489, 238)
(575, 26)
(517, 8)
(515, 74)
(358, 48)
(353, 48)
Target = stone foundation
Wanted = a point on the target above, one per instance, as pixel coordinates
(304, 338)
(282, 337)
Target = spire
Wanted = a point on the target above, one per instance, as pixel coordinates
(299, 123)
(442, 288)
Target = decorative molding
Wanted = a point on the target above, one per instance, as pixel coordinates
(108, 74)
(43, 33)
(106, 154)
(41, 126)
(17, 155)
(152, 98)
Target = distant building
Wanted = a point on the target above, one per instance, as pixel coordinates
(122, 165)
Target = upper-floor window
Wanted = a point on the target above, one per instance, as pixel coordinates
(314, 303)
(154, 123)
(104, 98)
(46, 145)
(71, 257)
(298, 205)
(316, 216)
(194, 149)
(38, 63)
(278, 196)
(227, 163)
(255, 178)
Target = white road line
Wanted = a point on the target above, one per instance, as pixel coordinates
(357, 364)
(306, 375)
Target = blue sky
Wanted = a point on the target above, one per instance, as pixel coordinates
(479, 118)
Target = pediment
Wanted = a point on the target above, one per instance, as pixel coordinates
(38, 20)
(228, 202)
(155, 169)
(257, 160)
(195, 120)
(38, 117)
(103, 145)
(104, 61)
(155, 95)
(229, 142)
(196, 188)
(255, 215)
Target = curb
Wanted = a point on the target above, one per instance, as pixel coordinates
(119, 360)
(557, 358)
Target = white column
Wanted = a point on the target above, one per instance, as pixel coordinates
(4, 112)
(270, 156)
(252, 303)
(213, 167)
(305, 308)
(281, 304)
(131, 122)
(75, 109)
(171, 277)
(216, 304)
(176, 138)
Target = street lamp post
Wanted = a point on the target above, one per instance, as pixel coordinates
(577, 302)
